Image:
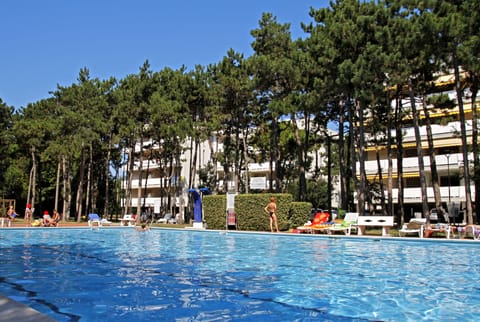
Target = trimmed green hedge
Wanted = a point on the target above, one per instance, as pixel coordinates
(300, 213)
(214, 211)
(250, 214)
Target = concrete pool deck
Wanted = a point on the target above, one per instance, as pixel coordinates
(14, 311)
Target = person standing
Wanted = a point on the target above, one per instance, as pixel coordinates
(271, 209)
(11, 214)
(28, 214)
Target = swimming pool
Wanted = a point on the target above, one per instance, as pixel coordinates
(119, 274)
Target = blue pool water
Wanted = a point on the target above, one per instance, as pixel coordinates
(120, 274)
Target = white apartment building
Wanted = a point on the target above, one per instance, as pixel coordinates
(160, 192)
(448, 156)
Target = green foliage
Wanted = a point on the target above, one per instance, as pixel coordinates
(252, 216)
(441, 101)
(7, 140)
(214, 211)
(299, 213)
(249, 209)
(351, 52)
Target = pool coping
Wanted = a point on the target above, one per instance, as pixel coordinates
(18, 312)
(283, 233)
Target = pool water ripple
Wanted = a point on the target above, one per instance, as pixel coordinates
(173, 275)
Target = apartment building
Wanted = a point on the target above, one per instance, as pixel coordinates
(164, 188)
(448, 155)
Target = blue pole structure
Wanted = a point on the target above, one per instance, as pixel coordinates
(197, 206)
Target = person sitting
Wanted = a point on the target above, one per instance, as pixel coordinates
(47, 221)
(56, 218)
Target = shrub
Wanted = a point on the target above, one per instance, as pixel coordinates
(249, 209)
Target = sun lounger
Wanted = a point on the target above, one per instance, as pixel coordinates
(473, 229)
(429, 231)
(94, 219)
(166, 220)
(127, 220)
(414, 227)
(348, 224)
(105, 222)
(319, 223)
(4, 221)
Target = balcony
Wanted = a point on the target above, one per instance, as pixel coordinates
(452, 162)
(413, 195)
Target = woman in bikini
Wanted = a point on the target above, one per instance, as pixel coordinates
(271, 209)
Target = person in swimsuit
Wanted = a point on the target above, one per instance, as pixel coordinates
(28, 214)
(11, 214)
(271, 209)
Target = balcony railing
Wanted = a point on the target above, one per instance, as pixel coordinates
(444, 162)
(448, 194)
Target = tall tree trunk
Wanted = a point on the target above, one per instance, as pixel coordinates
(400, 214)
(360, 139)
(128, 193)
(89, 181)
(463, 130)
(341, 160)
(302, 182)
(79, 200)
(421, 166)
(475, 149)
(31, 178)
(245, 156)
(390, 209)
(34, 177)
(237, 160)
(380, 181)
(57, 183)
(190, 178)
(178, 184)
(107, 180)
(139, 185)
(145, 186)
(275, 155)
(433, 162)
(67, 198)
(352, 151)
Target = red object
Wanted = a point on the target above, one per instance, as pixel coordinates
(46, 212)
(231, 220)
(29, 206)
(320, 218)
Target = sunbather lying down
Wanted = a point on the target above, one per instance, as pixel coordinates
(473, 229)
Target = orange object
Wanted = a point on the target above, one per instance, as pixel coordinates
(320, 218)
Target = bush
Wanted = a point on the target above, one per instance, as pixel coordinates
(214, 211)
(299, 213)
(249, 209)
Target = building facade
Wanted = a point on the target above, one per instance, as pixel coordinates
(164, 187)
(445, 129)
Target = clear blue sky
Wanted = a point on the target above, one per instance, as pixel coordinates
(47, 42)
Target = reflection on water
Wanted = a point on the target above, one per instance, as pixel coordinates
(121, 274)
